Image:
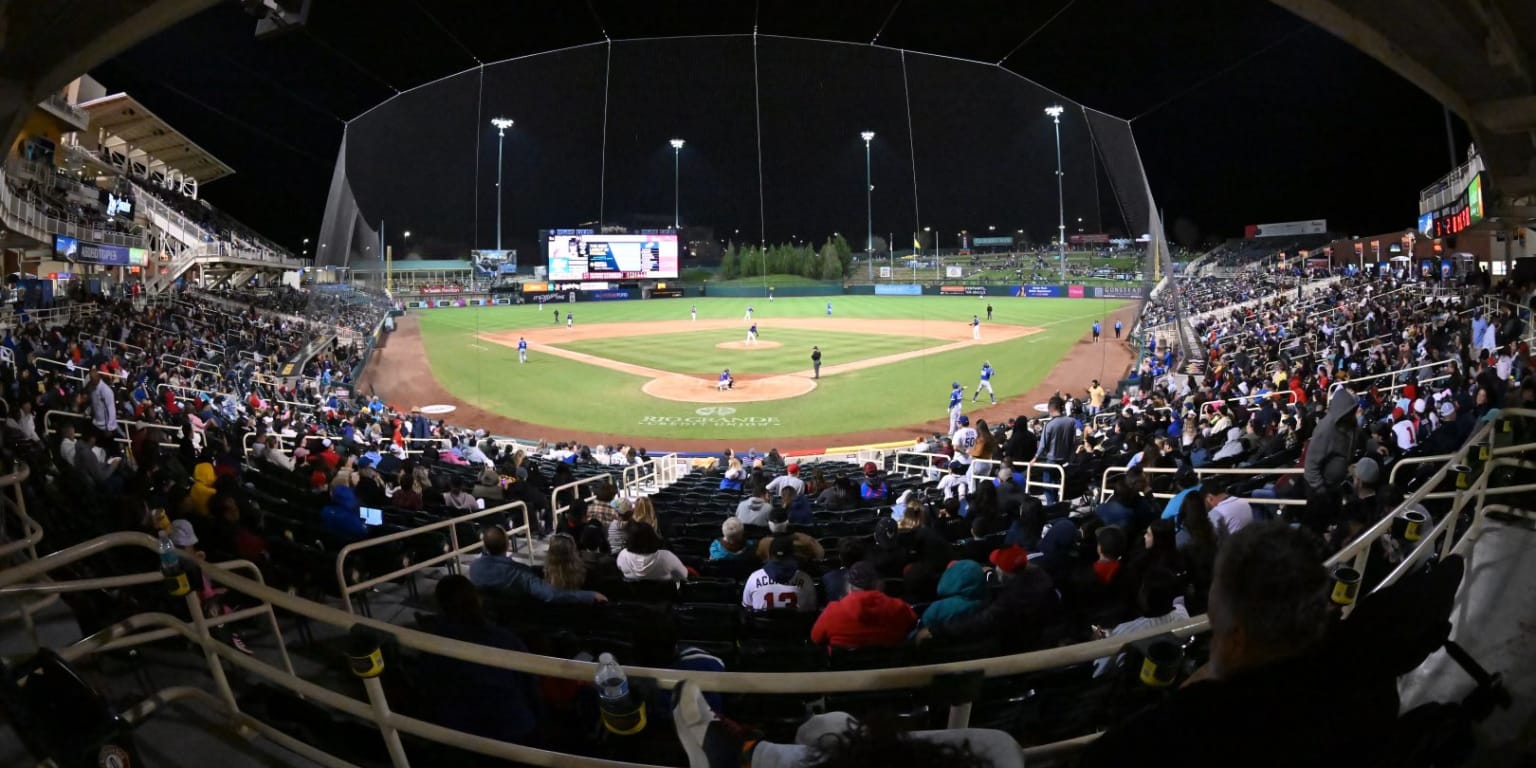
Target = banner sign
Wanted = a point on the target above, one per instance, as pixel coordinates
(963, 290)
(885, 273)
(607, 295)
(70, 249)
(666, 293)
(954, 272)
(898, 290)
(1287, 228)
(535, 287)
(1097, 239)
(1118, 291)
(1074, 292)
(1038, 291)
(985, 241)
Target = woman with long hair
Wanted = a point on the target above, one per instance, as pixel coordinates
(563, 566)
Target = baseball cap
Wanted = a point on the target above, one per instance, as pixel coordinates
(731, 527)
(1447, 409)
(1367, 471)
(782, 547)
(955, 385)
(182, 534)
(1010, 559)
(863, 575)
(793, 469)
(963, 420)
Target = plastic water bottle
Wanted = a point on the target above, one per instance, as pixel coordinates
(621, 714)
(170, 567)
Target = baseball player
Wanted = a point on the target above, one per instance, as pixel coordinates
(725, 382)
(975, 328)
(570, 320)
(752, 334)
(956, 399)
(1097, 329)
(522, 350)
(829, 309)
(815, 362)
(985, 383)
(989, 313)
(749, 313)
(770, 294)
(693, 313)
(557, 317)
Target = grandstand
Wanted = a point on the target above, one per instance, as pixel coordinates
(1308, 480)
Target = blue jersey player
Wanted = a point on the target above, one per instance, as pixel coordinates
(985, 383)
(522, 350)
(956, 398)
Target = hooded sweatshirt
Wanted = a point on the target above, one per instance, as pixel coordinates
(657, 566)
(962, 590)
(196, 502)
(1333, 443)
(341, 517)
(864, 618)
(754, 511)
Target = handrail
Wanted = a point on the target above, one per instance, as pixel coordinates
(1357, 552)
(49, 429)
(1436, 364)
(454, 551)
(1104, 491)
(556, 509)
(32, 533)
(1211, 405)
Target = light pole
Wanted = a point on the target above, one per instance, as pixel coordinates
(1055, 111)
(502, 124)
(869, 203)
(677, 153)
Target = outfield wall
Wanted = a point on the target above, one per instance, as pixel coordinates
(698, 290)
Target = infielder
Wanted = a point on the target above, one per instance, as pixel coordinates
(522, 350)
(815, 362)
(749, 313)
(985, 383)
(752, 334)
(570, 320)
(956, 399)
(829, 309)
(975, 328)
(693, 313)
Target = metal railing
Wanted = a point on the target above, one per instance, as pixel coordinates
(451, 556)
(122, 426)
(557, 509)
(374, 707)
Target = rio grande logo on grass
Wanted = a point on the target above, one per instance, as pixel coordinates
(711, 416)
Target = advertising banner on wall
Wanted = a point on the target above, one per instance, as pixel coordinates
(1118, 291)
(1038, 291)
(1075, 292)
(885, 273)
(962, 290)
(80, 252)
(1288, 228)
(954, 272)
(898, 290)
(607, 295)
(666, 293)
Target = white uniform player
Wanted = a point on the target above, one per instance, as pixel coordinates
(762, 593)
(749, 313)
(975, 328)
(963, 439)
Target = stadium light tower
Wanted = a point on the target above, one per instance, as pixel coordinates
(502, 124)
(1055, 111)
(677, 216)
(869, 198)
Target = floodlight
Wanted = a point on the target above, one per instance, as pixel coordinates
(868, 136)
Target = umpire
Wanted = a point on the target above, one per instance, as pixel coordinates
(816, 362)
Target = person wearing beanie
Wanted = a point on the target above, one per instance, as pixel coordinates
(806, 547)
(866, 617)
(779, 584)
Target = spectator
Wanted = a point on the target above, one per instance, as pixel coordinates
(459, 499)
(873, 489)
(1010, 492)
(754, 509)
(779, 584)
(866, 617)
(840, 495)
(643, 559)
(962, 591)
(797, 507)
(104, 475)
(601, 509)
(1159, 601)
(342, 517)
(643, 511)
(733, 542)
(734, 475)
(834, 584)
(496, 572)
(1228, 513)
(1127, 508)
(485, 701)
(791, 479)
(563, 567)
(1058, 444)
(196, 501)
(1026, 614)
(807, 548)
(1330, 452)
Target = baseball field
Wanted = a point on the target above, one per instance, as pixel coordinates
(647, 372)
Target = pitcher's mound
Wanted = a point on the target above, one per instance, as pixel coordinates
(690, 389)
(744, 345)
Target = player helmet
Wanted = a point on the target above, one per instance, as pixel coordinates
(955, 385)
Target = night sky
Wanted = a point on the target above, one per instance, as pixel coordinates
(1241, 114)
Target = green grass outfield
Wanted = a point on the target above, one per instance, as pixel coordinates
(567, 394)
(695, 352)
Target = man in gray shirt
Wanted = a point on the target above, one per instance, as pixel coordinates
(1058, 442)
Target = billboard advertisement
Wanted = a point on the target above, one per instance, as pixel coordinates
(1288, 228)
(962, 290)
(1426, 223)
(79, 252)
(954, 272)
(1118, 291)
(1039, 291)
(586, 257)
(984, 242)
(1095, 239)
(492, 263)
(1074, 292)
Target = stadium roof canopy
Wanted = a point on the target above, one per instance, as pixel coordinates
(1478, 58)
(129, 127)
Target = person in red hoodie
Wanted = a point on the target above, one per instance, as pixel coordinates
(866, 617)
